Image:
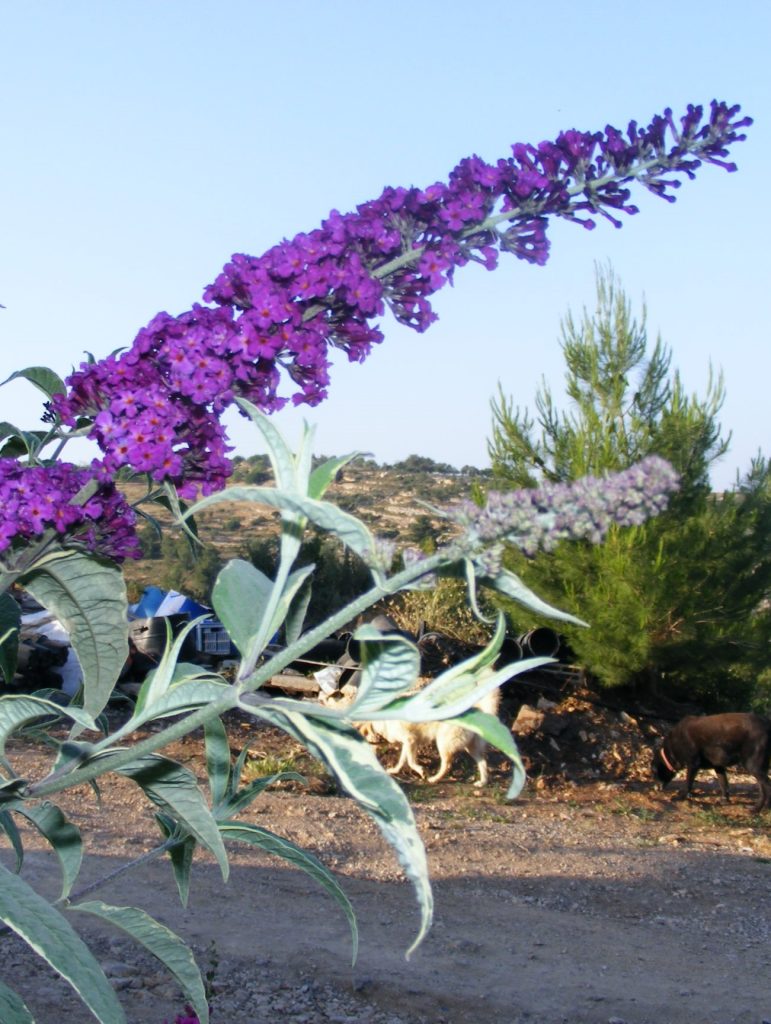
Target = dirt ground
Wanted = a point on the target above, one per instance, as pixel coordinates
(592, 899)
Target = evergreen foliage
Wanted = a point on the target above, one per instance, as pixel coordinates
(681, 601)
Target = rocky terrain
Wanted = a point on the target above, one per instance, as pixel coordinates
(592, 899)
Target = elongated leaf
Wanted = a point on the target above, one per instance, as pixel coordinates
(217, 759)
(163, 943)
(353, 763)
(303, 459)
(299, 601)
(63, 836)
(13, 1009)
(161, 678)
(8, 826)
(240, 800)
(351, 531)
(168, 498)
(11, 789)
(449, 695)
(240, 597)
(324, 474)
(295, 855)
(10, 620)
(17, 710)
(175, 790)
(46, 380)
(492, 729)
(52, 937)
(446, 696)
(279, 452)
(88, 596)
(511, 585)
(8, 429)
(195, 689)
(180, 855)
(237, 772)
(390, 665)
(294, 584)
(328, 517)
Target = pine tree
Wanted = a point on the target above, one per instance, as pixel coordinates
(681, 600)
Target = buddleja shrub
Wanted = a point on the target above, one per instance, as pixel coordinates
(155, 409)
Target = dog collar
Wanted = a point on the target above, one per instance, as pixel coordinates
(666, 760)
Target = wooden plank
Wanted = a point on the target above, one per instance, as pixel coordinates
(295, 683)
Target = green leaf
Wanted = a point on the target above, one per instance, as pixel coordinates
(52, 937)
(11, 789)
(8, 825)
(17, 710)
(328, 517)
(88, 596)
(24, 444)
(13, 1010)
(240, 596)
(511, 585)
(279, 452)
(8, 430)
(158, 682)
(299, 589)
(453, 691)
(299, 858)
(354, 765)
(237, 772)
(351, 531)
(163, 943)
(46, 380)
(10, 620)
(180, 854)
(492, 729)
(390, 665)
(323, 475)
(195, 688)
(175, 790)
(217, 759)
(63, 836)
(237, 801)
(297, 582)
(179, 509)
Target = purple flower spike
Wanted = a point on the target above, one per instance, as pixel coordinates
(36, 501)
(156, 407)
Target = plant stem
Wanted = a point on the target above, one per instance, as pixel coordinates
(100, 763)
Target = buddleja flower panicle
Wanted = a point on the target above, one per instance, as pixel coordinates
(279, 314)
(36, 501)
(537, 519)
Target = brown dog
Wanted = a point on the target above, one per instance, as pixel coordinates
(717, 742)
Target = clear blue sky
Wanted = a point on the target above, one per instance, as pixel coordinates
(144, 142)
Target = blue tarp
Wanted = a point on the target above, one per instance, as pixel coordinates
(155, 601)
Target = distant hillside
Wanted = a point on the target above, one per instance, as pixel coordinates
(391, 500)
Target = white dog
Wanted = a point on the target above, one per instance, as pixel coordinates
(448, 737)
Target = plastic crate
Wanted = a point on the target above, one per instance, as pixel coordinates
(212, 638)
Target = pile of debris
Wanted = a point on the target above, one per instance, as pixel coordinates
(583, 736)
(46, 658)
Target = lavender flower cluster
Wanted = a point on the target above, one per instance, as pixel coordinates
(537, 519)
(156, 407)
(37, 499)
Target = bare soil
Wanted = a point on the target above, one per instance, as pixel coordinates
(592, 899)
